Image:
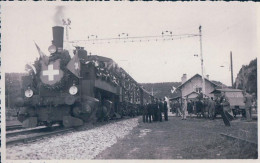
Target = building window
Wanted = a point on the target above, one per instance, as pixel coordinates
(198, 89)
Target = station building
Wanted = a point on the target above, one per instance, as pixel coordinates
(192, 87)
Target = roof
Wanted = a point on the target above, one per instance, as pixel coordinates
(145, 91)
(226, 90)
(192, 93)
(196, 75)
(174, 98)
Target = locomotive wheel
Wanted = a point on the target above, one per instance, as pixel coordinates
(76, 111)
(49, 124)
(21, 117)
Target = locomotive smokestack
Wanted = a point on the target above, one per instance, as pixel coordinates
(58, 33)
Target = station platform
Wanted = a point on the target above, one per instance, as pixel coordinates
(194, 138)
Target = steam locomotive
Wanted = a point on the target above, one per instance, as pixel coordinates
(73, 90)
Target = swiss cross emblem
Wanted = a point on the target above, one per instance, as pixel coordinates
(51, 73)
(76, 66)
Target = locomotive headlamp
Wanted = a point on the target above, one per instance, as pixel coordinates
(73, 90)
(28, 93)
(52, 49)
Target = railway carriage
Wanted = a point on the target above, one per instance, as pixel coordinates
(77, 89)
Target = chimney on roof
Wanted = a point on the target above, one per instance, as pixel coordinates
(183, 78)
(207, 77)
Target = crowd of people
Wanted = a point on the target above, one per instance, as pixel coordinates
(200, 107)
(152, 112)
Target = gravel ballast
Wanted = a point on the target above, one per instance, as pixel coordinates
(77, 145)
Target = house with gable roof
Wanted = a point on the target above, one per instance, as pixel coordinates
(192, 87)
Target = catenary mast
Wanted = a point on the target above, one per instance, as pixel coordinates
(202, 68)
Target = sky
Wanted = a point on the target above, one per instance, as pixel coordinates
(226, 27)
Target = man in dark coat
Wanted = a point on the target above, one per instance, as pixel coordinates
(155, 110)
(160, 110)
(199, 106)
(190, 107)
(211, 106)
(165, 110)
(145, 112)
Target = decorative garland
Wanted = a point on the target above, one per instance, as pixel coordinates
(64, 60)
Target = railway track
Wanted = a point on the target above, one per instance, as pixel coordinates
(30, 130)
(13, 127)
(34, 134)
(25, 136)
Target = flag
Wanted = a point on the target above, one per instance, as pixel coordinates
(43, 56)
(173, 89)
(29, 67)
(74, 65)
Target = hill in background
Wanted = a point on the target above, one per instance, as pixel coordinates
(247, 78)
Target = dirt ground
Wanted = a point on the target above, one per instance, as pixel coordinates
(194, 138)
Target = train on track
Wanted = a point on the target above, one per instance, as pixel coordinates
(71, 90)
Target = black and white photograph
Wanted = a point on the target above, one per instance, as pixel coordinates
(129, 81)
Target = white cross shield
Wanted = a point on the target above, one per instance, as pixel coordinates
(51, 74)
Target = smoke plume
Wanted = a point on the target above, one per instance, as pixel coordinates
(59, 15)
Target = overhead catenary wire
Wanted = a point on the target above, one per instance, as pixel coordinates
(134, 39)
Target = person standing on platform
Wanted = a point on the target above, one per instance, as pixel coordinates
(176, 105)
(190, 108)
(184, 109)
(150, 112)
(144, 112)
(248, 100)
(160, 110)
(155, 110)
(178, 108)
(165, 110)
(199, 106)
(206, 108)
(212, 106)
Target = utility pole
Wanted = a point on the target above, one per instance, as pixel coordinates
(231, 68)
(201, 58)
